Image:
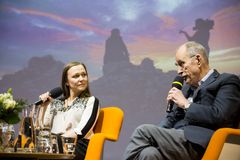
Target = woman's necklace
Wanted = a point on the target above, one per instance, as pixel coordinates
(69, 102)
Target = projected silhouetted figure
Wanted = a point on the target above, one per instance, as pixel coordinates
(116, 53)
(115, 49)
(202, 32)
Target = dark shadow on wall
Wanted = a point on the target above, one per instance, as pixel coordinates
(202, 32)
(40, 75)
(116, 53)
(140, 90)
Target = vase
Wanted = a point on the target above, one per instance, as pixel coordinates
(7, 135)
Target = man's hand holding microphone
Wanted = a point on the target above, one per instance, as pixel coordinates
(175, 95)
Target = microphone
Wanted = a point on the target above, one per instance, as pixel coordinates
(178, 83)
(54, 93)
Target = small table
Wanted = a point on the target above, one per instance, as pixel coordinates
(34, 156)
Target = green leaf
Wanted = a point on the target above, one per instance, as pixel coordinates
(9, 90)
(12, 118)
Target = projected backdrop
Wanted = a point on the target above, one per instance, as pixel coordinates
(128, 47)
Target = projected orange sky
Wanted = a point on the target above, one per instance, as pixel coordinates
(75, 30)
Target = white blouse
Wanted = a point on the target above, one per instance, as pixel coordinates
(79, 117)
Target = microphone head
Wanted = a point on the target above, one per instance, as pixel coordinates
(178, 82)
(56, 92)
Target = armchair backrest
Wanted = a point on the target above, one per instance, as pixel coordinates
(108, 126)
(109, 122)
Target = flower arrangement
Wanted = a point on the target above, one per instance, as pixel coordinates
(9, 108)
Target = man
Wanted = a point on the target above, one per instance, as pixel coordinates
(186, 130)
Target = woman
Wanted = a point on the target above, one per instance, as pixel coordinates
(76, 113)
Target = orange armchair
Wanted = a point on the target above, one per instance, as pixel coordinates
(219, 147)
(108, 127)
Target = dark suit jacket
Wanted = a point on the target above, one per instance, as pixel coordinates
(216, 104)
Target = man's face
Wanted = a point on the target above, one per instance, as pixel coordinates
(188, 67)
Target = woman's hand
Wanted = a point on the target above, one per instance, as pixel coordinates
(46, 100)
(70, 133)
(45, 97)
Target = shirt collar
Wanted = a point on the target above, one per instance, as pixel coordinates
(206, 76)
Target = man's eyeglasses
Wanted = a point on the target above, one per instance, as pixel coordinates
(182, 63)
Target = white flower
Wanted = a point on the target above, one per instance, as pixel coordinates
(7, 101)
(5, 96)
(9, 108)
(9, 104)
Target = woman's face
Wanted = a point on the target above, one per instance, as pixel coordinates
(77, 79)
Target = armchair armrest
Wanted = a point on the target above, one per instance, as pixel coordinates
(217, 141)
(95, 146)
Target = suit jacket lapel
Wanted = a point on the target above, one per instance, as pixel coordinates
(186, 89)
(208, 81)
